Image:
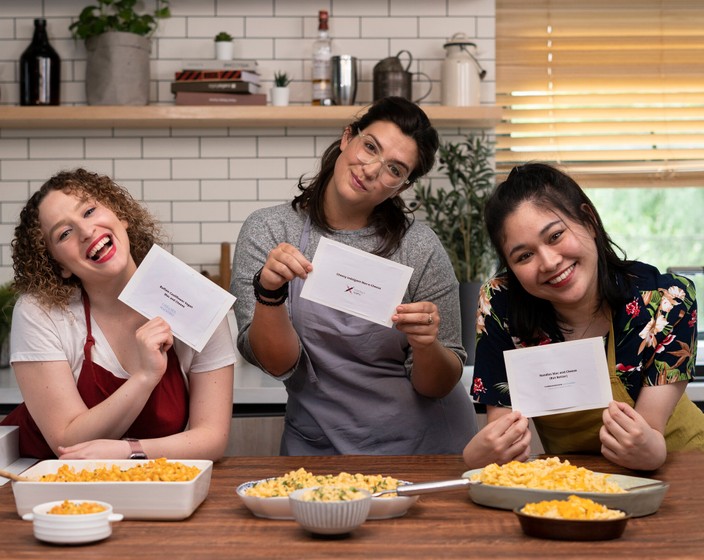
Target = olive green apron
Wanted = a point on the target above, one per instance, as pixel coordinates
(578, 432)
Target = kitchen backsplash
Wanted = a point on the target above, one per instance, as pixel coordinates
(202, 183)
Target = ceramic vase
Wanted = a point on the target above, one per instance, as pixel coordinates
(279, 96)
(224, 50)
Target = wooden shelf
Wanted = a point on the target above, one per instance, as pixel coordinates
(165, 116)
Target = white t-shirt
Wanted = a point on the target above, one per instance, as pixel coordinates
(40, 334)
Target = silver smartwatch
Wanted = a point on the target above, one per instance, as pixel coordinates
(136, 449)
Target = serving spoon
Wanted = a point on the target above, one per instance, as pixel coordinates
(456, 484)
(427, 487)
(13, 476)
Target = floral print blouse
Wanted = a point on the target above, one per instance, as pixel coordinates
(656, 335)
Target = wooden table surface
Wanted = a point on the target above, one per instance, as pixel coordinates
(440, 525)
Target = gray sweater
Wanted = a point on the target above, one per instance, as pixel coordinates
(315, 384)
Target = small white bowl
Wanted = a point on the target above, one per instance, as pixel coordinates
(71, 529)
(330, 518)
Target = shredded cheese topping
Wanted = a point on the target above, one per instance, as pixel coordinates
(547, 474)
(158, 470)
(573, 507)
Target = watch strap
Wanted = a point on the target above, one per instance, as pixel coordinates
(136, 450)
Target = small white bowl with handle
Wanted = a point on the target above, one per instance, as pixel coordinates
(73, 528)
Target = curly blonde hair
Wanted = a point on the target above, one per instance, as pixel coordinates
(36, 272)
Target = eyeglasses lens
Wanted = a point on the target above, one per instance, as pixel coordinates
(390, 174)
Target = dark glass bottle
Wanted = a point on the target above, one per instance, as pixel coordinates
(40, 70)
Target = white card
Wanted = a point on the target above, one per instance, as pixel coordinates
(556, 378)
(165, 286)
(356, 282)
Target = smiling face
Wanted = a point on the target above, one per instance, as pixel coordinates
(85, 237)
(553, 257)
(356, 188)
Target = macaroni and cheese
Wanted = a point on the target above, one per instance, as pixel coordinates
(72, 508)
(159, 470)
(332, 494)
(573, 507)
(547, 474)
(282, 486)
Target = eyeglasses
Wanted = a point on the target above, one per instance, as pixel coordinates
(390, 174)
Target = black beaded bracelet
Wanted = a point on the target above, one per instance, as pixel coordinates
(270, 303)
(280, 294)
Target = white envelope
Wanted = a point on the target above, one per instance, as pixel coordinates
(165, 286)
(556, 378)
(356, 282)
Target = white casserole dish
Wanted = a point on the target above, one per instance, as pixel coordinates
(134, 500)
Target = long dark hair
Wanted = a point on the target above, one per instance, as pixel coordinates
(390, 219)
(551, 189)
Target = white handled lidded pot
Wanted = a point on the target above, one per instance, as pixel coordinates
(72, 528)
(461, 72)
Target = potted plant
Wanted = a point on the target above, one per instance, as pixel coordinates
(456, 214)
(280, 91)
(224, 47)
(118, 42)
(8, 297)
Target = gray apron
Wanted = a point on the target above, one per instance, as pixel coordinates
(350, 393)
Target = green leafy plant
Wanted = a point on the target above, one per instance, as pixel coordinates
(118, 15)
(456, 213)
(8, 297)
(223, 37)
(281, 79)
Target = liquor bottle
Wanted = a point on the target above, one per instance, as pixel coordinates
(322, 52)
(40, 70)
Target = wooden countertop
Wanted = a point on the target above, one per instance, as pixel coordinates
(442, 525)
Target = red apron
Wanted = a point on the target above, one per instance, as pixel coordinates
(164, 414)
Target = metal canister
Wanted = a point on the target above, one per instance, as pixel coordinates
(391, 78)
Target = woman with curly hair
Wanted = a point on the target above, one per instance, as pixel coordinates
(564, 279)
(98, 379)
(355, 386)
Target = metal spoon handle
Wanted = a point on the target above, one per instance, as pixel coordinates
(437, 486)
(648, 485)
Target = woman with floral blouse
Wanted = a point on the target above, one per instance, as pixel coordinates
(563, 280)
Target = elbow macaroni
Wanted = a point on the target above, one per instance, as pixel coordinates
(159, 470)
(332, 494)
(547, 474)
(72, 508)
(573, 507)
(282, 486)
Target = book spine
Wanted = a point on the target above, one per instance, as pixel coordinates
(216, 75)
(229, 86)
(251, 65)
(207, 98)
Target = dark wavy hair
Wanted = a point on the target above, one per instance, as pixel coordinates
(550, 189)
(36, 272)
(390, 219)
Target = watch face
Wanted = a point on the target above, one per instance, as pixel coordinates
(138, 456)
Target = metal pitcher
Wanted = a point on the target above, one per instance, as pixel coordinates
(391, 78)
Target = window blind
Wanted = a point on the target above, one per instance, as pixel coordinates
(610, 90)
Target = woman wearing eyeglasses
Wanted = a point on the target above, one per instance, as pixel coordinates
(356, 387)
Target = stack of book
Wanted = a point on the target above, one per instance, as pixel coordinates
(218, 82)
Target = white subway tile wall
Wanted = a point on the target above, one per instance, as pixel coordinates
(202, 183)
